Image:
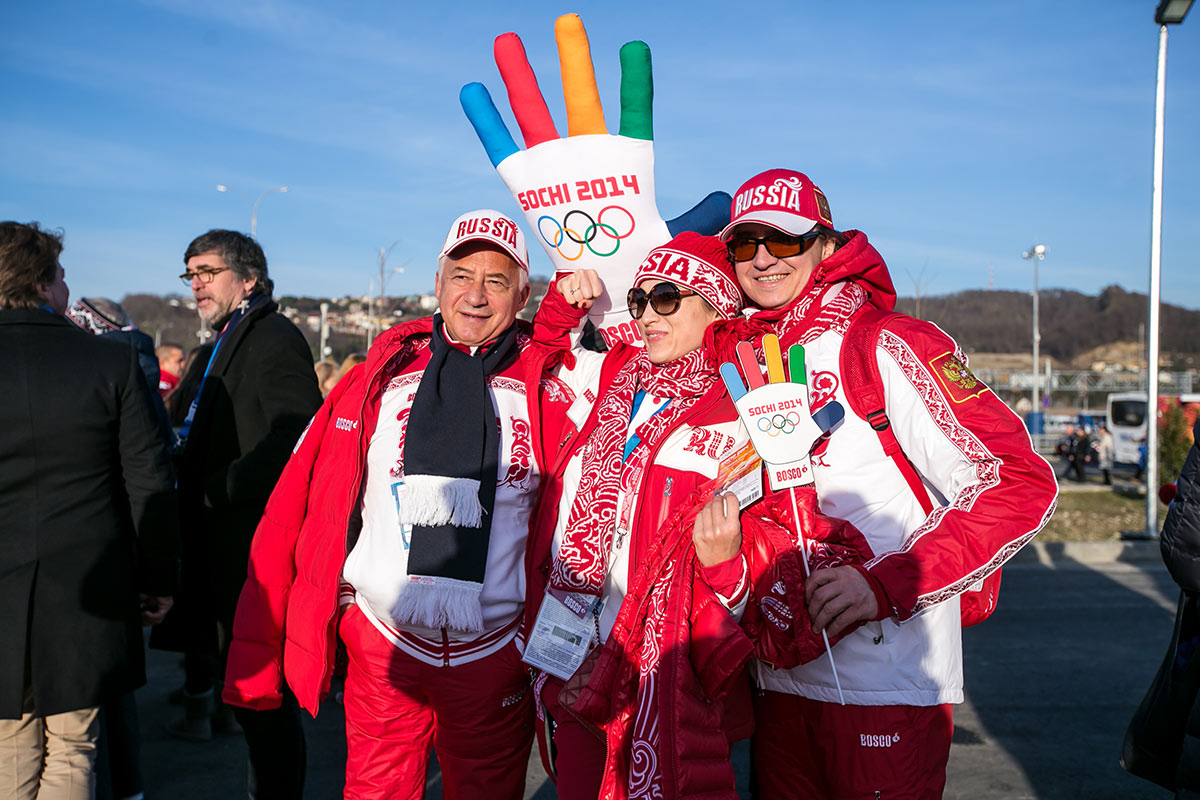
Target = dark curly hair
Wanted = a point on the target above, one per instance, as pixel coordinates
(239, 252)
(28, 260)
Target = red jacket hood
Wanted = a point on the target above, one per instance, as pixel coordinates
(386, 343)
(858, 261)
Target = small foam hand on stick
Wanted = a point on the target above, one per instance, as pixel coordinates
(782, 429)
(777, 413)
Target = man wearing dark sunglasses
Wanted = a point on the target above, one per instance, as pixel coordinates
(773, 265)
(941, 480)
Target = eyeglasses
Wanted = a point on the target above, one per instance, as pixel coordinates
(663, 297)
(205, 275)
(778, 244)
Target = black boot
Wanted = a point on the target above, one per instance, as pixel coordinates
(196, 723)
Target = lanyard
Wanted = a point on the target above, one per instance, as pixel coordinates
(626, 500)
(634, 440)
(242, 311)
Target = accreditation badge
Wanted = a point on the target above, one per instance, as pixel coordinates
(740, 472)
(563, 633)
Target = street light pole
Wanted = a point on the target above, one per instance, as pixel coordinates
(384, 252)
(370, 315)
(1036, 254)
(324, 331)
(253, 206)
(1169, 12)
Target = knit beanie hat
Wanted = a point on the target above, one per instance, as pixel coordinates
(700, 263)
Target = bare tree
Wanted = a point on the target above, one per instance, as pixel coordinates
(917, 283)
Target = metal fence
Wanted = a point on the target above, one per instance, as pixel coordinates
(1044, 442)
(1084, 381)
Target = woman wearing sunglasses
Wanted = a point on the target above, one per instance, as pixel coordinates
(637, 547)
(977, 493)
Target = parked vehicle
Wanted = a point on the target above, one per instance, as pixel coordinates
(1127, 422)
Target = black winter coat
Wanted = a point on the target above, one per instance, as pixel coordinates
(1180, 541)
(85, 495)
(260, 393)
(143, 345)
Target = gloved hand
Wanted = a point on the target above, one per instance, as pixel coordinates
(589, 197)
(776, 413)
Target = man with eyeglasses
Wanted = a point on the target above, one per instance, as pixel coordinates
(257, 394)
(938, 474)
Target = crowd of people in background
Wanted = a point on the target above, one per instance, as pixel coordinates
(1081, 447)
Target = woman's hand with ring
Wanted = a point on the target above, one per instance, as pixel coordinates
(581, 287)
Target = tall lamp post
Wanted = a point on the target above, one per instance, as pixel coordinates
(1036, 253)
(253, 206)
(384, 252)
(1169, 12)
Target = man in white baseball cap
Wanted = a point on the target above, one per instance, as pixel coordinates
(483, 276)
(414, 485)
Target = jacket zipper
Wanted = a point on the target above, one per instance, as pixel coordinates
(637, 514)
(637, 518)
(330, 631)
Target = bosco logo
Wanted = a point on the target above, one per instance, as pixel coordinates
(601, 235)
(878, 740)
(777, 424)
(776, 611)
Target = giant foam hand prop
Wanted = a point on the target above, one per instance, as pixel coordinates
(589, 198)
(776, 412)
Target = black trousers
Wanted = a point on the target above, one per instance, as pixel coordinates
(275, 738)
(119, 750)
(278, 754)
(1077, 468)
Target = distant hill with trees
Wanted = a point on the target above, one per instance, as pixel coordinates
(1071, 323)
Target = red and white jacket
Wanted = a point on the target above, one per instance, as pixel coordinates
(990, 490)
(671, 677)
(688, 457)
(285, 622)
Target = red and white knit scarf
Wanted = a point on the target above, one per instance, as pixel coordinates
(581, 563)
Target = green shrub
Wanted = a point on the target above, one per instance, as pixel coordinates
(1174, 441)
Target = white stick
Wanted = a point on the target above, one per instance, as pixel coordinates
(804, 553)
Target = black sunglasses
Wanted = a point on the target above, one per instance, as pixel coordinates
(778, 244)
(663, 297)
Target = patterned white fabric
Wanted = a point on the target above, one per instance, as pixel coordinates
(580, 564)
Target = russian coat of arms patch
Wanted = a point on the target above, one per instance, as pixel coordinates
(957, 381)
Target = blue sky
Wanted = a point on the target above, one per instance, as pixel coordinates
(954, 134)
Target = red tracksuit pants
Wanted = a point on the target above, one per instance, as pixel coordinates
(578, 753)
(804, 749)
(478, 716)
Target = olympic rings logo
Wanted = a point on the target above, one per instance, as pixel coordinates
(592, 229)
(779, 424)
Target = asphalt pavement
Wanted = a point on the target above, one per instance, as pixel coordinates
(1052, 679)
